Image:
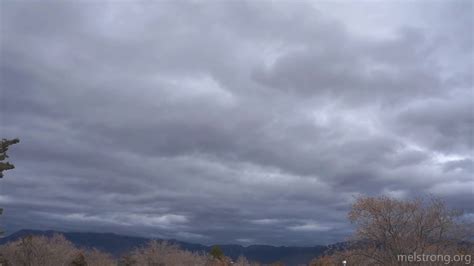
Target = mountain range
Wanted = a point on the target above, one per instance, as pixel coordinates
(118, 245)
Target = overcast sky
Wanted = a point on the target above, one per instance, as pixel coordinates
(232, 121)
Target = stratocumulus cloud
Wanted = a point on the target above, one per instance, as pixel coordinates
(242, 122)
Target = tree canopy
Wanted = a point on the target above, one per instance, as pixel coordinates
(4, 145)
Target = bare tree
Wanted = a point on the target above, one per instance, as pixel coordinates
(243, 261)
(55, 250)
(39, 250)
(96, 257)
(324, 261)
(388, 228)
(164, 254)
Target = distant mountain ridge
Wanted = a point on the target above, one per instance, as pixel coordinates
(119, 244)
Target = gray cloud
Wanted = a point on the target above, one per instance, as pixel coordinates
(236, 122)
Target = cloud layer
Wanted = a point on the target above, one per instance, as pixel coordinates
(235, 122)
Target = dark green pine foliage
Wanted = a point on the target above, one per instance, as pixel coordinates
(4, 165)
(216, 252)
(79, 260)
(3, 155)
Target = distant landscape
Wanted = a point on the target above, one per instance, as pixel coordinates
(118, 245)
(388, 231)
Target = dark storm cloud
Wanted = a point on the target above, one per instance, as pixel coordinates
(245, 122)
